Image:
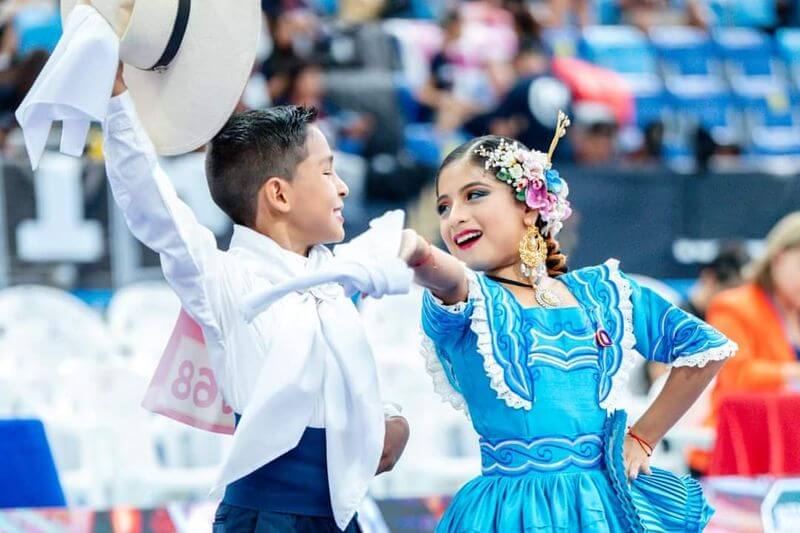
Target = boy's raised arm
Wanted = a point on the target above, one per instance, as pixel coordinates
(155, 215)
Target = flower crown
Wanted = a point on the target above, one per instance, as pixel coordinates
(531, 175)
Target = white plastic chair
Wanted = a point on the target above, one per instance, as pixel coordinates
(141, 317)
(140, 476)
(50, 339)
(442, 452)
(43, 326)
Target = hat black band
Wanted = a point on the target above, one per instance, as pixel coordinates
(176, 38)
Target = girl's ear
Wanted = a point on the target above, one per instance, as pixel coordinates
(531, 216)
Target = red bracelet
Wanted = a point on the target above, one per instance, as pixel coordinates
(646, 446)
(428, 257)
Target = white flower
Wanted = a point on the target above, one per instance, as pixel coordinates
(537, 158)
(515, 171)
(535, 172)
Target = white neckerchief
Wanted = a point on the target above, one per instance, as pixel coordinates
(318, 344)
(74, 85)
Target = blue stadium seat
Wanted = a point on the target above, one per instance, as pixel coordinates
(561, 42)
(750, 61)
(623, 49)
(37, 28)
(651, 108)
(423, 144)
(325, 7)
(716, 114)
(750, 48)
(684, 50)
(750, 13)
(788, 43)
(407, 101)
(688, 60)
(773, 127)
(607, 11)
(28, 476)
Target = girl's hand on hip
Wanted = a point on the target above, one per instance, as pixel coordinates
(636, 459)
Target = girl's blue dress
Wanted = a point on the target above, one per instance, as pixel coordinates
(541, 388)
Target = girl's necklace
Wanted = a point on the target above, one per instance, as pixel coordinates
(509, 281)
(544, 297)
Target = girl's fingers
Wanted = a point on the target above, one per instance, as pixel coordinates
(646, 469)
(633, 470)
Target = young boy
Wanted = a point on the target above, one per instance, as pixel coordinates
(272, 172)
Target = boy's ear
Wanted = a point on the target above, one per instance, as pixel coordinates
(277, 194)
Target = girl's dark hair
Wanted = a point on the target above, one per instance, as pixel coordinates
(556, 260)
(467, 150)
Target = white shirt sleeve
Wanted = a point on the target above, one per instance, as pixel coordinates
(190, 259)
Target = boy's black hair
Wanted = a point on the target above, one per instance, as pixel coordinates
(252, 147)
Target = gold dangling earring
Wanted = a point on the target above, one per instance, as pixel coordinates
(533, 256)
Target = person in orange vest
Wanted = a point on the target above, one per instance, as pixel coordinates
(763, 318)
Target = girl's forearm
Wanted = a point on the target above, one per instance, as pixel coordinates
(684, 385)
(440, 272)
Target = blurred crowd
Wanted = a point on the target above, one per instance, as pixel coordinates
(398, 82)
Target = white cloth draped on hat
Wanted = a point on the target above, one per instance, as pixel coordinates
(173, 59)
(74, 86)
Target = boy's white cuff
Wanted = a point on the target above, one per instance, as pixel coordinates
(392, 410)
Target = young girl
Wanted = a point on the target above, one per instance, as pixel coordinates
(538, 358)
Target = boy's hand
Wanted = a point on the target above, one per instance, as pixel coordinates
(119, 83)
(397, 432)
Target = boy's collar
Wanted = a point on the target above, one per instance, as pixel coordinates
(263, 246)
(268, 252)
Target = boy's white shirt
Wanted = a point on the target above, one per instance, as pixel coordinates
(304, 362)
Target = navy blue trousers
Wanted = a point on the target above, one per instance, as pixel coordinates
(234, 519)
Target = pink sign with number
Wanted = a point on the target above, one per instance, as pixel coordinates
(184, 387)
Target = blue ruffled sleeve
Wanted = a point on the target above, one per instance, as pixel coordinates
(443, 323)
(443, 329)
(667, 334)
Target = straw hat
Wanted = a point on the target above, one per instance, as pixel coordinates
(186, 63)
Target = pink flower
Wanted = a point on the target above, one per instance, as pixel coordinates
(567, 210)
(549, 212)
(536, 197)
